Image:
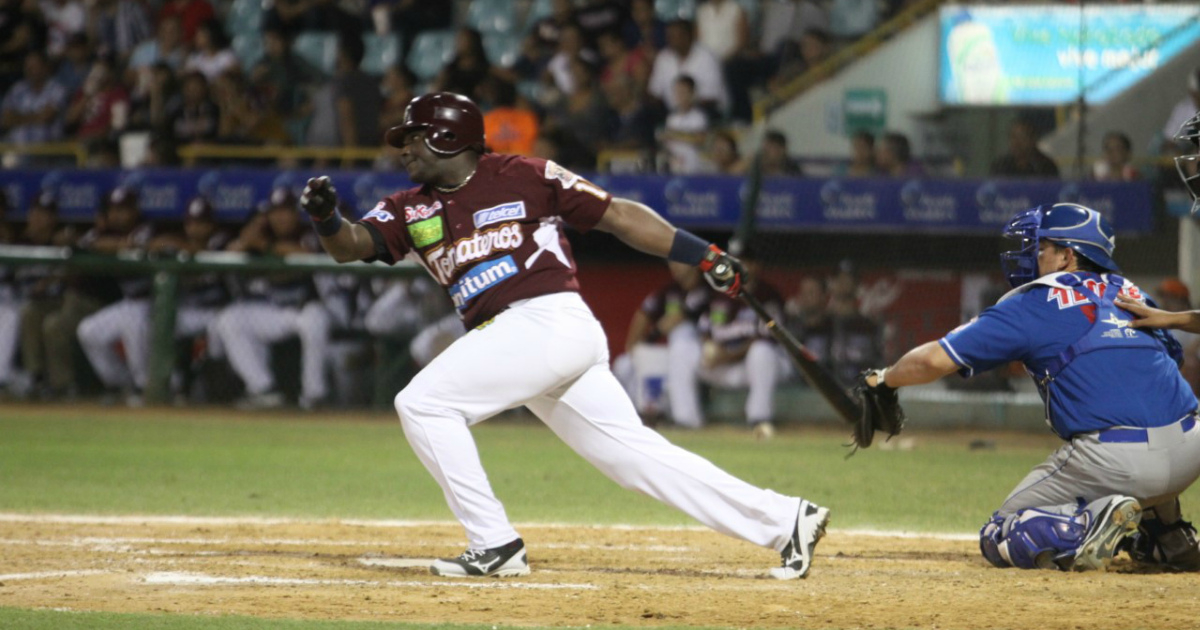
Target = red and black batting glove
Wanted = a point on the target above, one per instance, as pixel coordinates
(722, 271)
(319, 199)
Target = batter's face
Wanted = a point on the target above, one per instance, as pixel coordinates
(423, 165)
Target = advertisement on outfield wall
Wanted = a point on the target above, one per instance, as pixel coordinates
(1046, 54)
(964, 206)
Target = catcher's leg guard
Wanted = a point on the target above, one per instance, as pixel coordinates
(1159, 542)
(1032, 539)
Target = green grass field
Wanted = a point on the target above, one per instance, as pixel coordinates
(217, 463)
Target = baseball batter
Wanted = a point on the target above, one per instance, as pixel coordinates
(1112, 392)
(489, 229)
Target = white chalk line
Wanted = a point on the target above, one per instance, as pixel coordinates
(177, 578)
(90, 519)
(42, 575)
(126, 543)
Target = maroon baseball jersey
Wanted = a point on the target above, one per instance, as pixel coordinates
(673, 298)
(496, 240)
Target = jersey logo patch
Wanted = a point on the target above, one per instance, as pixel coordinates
(379, 213)
(503, 212)
(421, 211)
(480, 278)
(564, 177)
(426, 232)
(1122, 328)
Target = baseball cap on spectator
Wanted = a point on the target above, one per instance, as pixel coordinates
(1174, 287)
(283, 197)
(199, 209)
(123, 196)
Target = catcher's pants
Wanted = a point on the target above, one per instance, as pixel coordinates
(247, 329)
(1154, 472)
(127, 321)
(549, 353)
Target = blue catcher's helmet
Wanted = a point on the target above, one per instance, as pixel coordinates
(1066, 224)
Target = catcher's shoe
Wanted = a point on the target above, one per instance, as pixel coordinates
(798, 554)
(1118, 519)
(505, 561)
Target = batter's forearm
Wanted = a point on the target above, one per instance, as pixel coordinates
(638, 227)
(352, 242)
(924, 364)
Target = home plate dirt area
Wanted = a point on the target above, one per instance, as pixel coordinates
(598, 576)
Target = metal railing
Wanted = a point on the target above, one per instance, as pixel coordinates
(166, 272)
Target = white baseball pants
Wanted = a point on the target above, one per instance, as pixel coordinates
(760, 372)
(127, 321)
(247, 329)
(550, 354)
(10, 331)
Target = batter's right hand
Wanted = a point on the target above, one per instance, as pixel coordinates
(722, 271)
(319, 199)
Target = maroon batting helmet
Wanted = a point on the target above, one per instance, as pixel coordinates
(452, 122)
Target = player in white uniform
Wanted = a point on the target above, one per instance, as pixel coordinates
(489, 230)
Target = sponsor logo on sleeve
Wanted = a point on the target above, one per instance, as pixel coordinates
(379, 213)
(419, 212)
(503, 212)
(427, 232)
(480, 278)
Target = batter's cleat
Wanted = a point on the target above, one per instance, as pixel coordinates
(798, 554)
(1118, 519)
(505, 561)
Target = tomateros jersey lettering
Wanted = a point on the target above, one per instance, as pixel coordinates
(493, 219)
(480, 278)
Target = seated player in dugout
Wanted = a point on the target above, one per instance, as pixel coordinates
(735, 351)
(666, 319)
(1112, 392)
(489, 229)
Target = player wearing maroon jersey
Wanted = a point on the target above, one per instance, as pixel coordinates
(489, 229)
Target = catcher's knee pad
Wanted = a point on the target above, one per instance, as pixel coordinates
(1036, 539)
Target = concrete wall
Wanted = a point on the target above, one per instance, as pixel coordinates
(905, 67)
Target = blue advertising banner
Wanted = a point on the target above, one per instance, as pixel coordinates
(702, 202)
(1045, 54)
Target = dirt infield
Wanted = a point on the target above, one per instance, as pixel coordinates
(599, 576)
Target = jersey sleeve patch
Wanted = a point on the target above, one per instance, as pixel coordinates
(380, 213)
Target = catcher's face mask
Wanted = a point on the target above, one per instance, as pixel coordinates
(1020, 265)
(1188, 164)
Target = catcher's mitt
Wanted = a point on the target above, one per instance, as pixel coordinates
(881, 410)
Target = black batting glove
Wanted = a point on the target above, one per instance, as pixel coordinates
(319, 199)
(722, 271)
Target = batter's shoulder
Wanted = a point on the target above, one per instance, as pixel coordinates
(505, 164)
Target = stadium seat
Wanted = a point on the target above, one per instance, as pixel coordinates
(383, 51)
(317, 48)
(248, 48)
(245, 17)
(492, 16)
(431, 50)
(538, 10)
(668, 10)
(502, 48)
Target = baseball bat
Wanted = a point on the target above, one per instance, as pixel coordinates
(817, 376)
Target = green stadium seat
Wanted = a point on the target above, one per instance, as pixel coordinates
(382, 52)
(668, 10)
(248, 48)
(318, 49)
(431, 50)
(502, 48)
(492, 16)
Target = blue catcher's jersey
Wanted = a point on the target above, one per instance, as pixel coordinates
(1104, 373)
